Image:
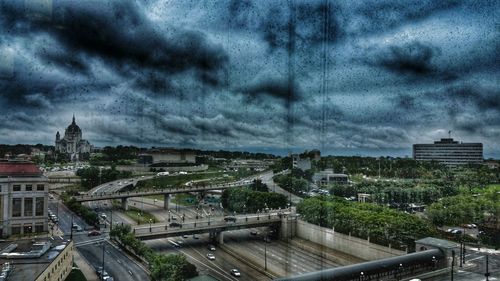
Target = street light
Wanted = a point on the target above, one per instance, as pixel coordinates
(150, 221)
(169, 213)
(400, 271)
(361, 276)
(138, 218)
(102, 272)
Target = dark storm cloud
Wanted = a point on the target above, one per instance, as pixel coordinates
(355, 74)
(304, 24)
(414, 59)
(276, 87)
(381, 15)
(118, 31)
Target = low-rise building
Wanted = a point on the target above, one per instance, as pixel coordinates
(49, 259)
(328, 176)
(168, 156)
(23, 198)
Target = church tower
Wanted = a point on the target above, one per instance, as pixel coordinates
(58, 136)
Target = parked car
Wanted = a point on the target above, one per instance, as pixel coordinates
(210, 256)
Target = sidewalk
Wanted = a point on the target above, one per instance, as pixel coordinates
(86, 269)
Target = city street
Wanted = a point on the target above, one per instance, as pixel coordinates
(117, 264)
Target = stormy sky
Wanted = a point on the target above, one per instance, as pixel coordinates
(348, 77)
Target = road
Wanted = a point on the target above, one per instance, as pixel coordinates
(117, 264)
(283, 259)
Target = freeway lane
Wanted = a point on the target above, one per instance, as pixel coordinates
(196, 250)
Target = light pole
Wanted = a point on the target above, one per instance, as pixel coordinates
(111, 219)
(169, 213)
(102, 272)
(150, 228)
(71, 230)
(138, 218)
(265, 252)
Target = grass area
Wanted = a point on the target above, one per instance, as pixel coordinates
(76, 275)
(135, 214)
(185, 199)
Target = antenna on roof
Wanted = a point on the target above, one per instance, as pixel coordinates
(449, 134)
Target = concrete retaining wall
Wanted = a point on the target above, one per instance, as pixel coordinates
(351, 245)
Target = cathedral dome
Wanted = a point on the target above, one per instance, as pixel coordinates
(73, 129)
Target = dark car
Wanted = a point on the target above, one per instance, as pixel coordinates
(174, 224)
(228, 219)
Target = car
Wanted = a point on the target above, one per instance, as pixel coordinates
(94, 233)
(210, 256)
(230, 219)
(76, 227)
(103, 216)
(211, 247)
(184, 236)
(456, 231)
(473, 225)
(195, 236)
(174, 224)
(235, 272)
(253, 232)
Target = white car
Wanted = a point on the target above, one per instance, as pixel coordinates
(210, 256)
(235, 272)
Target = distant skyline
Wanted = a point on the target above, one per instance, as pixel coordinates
(345, 77)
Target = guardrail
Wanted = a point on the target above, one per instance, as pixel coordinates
(205, 225)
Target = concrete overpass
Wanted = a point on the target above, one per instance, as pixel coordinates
(165, 191)
(216, 226)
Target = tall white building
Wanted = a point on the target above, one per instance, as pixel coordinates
(72, 144)
(449, 152)
(23, 198)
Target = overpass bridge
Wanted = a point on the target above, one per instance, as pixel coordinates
(215, 226)
(165, 191)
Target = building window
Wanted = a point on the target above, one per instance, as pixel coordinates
(15, 230)
(38, 228)
(16, 207)
(16, 187)
(29, 187)
(39, 206)
(40, 187)
(28, 207)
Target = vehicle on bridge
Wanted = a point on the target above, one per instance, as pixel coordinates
(94, 233)
(230, 219)
(175, 224)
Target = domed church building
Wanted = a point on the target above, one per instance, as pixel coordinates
(72, 143)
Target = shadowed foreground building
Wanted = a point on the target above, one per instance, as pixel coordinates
(23, 198)
(449, 152)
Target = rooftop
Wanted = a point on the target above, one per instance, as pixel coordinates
(31, 267)
(19, 168)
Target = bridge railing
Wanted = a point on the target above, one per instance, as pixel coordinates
(163, 228)
(158, 191)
